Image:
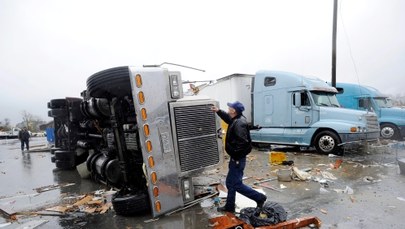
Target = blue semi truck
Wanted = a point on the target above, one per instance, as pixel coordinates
(290, 109)
(359, 97)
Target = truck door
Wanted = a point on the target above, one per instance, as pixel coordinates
(301, 113)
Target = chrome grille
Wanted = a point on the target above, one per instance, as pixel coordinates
(196, 137)
(372, 123)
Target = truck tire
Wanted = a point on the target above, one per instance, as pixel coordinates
(327, 142)
(64, 155)
(65, 165)
(131, 204)
(57, 103)
(113, 82)
(389, 131)
(57, 113)
(53, 150)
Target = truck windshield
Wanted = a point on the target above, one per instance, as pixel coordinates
(383, 102)
(327, 99)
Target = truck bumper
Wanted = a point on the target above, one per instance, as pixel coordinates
(356, 137)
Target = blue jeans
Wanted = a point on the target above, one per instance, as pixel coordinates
(27, 144)
(234, 184)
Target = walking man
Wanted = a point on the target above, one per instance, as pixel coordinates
(24, 137)
(238, 145)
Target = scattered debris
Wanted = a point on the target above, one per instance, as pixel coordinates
(268, 186)
(323, 190)
(352, 199)
(328, 175)
(151, 220)
(401, 198)
(263, 180)
(347, 190)
(229, 220)
(301, 174)
(370, 179)
(52, 187)
(284, 174)
(337, 164)
(5, 224)
(276, 158)
(324, 211)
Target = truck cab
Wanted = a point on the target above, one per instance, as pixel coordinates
(360, 97)
(289, 109)
(133, 130)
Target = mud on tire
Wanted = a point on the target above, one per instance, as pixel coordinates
(130, 205)
(113, 82)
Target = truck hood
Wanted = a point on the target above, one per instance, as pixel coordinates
(393, 111)
(344, 114)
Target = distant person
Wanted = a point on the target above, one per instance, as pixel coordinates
(24, 137)
(237, 145)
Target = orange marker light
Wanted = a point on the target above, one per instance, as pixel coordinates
(158, 206)
(151, 162)
(143, 114)
(146, 130)
(153, 177)
(141, 97)
(353, 129)
(155, 191)
(138, 80)
(148, 146)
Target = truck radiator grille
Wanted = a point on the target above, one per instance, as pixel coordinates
(372, 123)
(196, 137)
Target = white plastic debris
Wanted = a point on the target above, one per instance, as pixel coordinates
(301, 174)
(323, 191)
(348, 190)
(328, 175)
(401, 198)
(207, 203)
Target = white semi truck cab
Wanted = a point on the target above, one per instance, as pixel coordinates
(289, 109)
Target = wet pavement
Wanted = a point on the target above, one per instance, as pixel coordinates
(368, 192)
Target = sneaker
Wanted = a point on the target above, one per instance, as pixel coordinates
(225, 209)
(261, 203)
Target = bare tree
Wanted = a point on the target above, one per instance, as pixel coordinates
(5, 125)
(31, 121)
(27, 119)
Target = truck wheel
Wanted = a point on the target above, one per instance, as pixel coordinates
(389, 131)
(57, 103)
(327, 142)
(130, 204)
(113, 82)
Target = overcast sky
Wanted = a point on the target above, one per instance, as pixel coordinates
(48, 49)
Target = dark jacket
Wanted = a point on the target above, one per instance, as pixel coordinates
(24, 135)
(238, 142)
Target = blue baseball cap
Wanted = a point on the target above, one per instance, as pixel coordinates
(238, 106)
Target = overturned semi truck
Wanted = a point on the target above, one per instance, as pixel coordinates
(134, 131)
